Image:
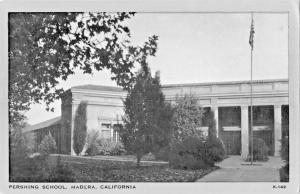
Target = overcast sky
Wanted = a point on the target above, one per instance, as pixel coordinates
(200, 47)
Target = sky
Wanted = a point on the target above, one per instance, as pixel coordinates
(199, 47)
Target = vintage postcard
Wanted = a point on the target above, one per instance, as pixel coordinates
(143, 97)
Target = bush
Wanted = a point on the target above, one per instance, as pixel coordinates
(260, 150)
(163, 154)
(48, 145)
(24, 167)
(37, 169)
(91, 143)
(105, 147)
(214, 146)
(215, 150)
(61, 173)
(284, 171)
(284, 152)
(188, 154)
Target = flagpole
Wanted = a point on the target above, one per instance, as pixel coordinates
(251, 98)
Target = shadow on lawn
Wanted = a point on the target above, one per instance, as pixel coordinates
(87, 170)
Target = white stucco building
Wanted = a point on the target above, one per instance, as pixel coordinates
(230, 102)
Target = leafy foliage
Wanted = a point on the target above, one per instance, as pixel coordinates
(187, 118)
(24, 167)
(188, 153)
(260, 150)
(106, 147)
(284, 152)
(48, 145)
(91, 141)
(163, 153)
(190, 149)
(215, 150)
(38, 169)
(284, 171)
(215, 147)
(147, 125)
(80, 128)
(61, 172)
(18, 150)
(45, 48)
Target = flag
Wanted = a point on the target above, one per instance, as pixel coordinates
(251, 38)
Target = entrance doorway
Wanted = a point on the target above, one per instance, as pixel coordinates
(263, 125)
(230, 129)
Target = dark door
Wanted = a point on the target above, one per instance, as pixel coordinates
(232, 142)
(230, 117)
(263, 116)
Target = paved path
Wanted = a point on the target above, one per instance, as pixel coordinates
(234, 169)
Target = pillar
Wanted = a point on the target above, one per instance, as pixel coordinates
(244, 131)
(111, 132)
(216, 114)
(277, 129)
(74, 108)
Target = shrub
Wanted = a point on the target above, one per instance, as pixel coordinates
(91, 143)
(260, 150)
(18, 154)
(48, 145)
(187, 118)
(188, 154)
(61, 173)
(214, 146)
(118, 149)
(162, 154)
(80, 128)
(284, 152)
(215, 150)
(105, 147)
(37, 169)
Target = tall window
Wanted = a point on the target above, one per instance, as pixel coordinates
(105, 131)
(116, 136)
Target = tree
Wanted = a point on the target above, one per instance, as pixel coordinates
(45, 48)
(215, 148)
(48, 145)
(187, 118)
(147, 125)
(80, 128)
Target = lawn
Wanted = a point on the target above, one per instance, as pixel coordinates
(97, 170)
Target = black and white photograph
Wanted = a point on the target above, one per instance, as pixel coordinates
(129, 97)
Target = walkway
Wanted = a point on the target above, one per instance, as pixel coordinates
(234, 169)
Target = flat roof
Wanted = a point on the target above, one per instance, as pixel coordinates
(43, 124)
(98, 87)
(119, 89)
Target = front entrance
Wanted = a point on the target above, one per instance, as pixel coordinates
(263, 125)
(230, 129)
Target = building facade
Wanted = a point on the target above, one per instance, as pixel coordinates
(230, 102)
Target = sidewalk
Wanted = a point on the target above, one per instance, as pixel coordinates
(234, 169)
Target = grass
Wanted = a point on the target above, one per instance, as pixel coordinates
(95, 170)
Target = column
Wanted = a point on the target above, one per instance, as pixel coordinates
(244, 131)
(74, 108)
(216, 114)
(111, 132)
(277, 129)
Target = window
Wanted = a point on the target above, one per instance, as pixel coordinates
(105, 131)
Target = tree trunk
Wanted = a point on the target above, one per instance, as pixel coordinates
(138, 157)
